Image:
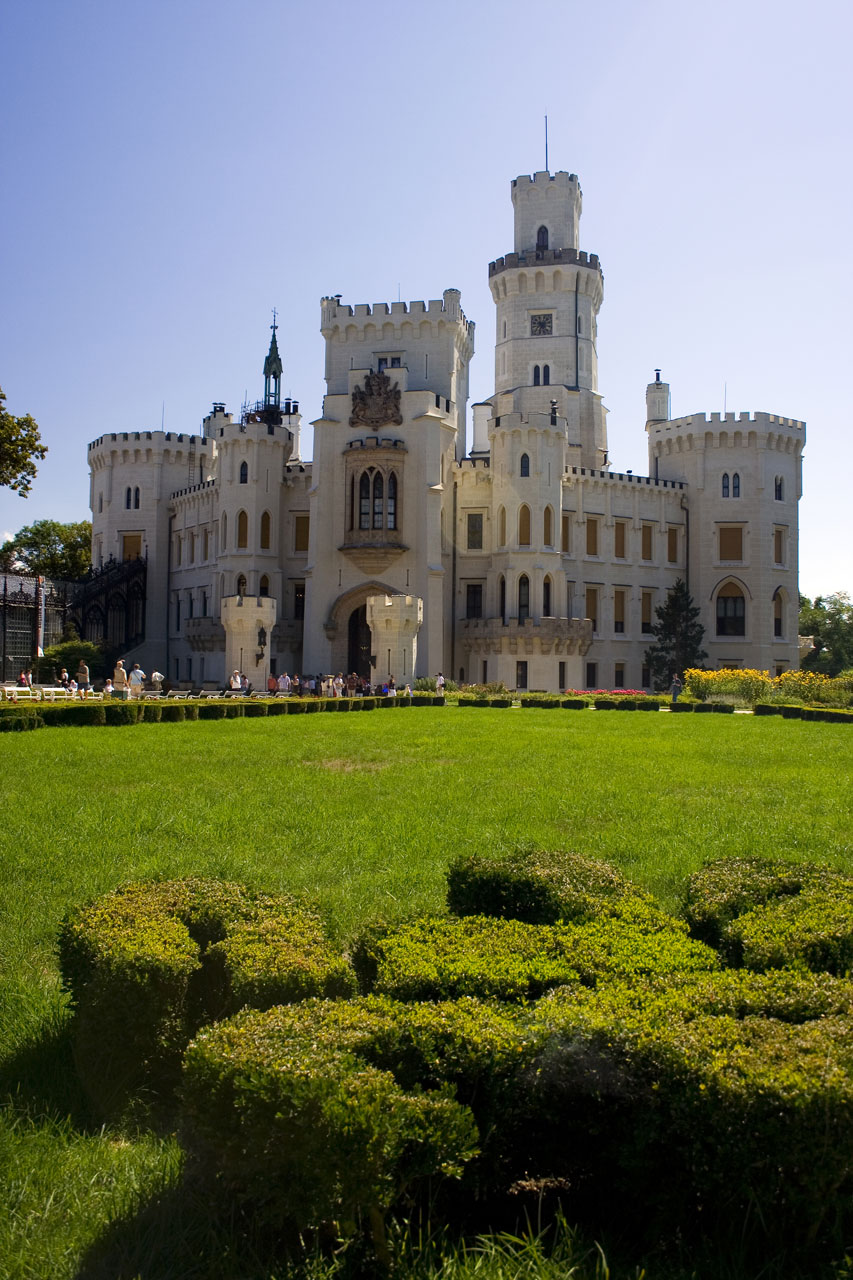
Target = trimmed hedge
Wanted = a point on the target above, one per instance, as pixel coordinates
(210, 710)
(813, 930)
(84, 713)
(150, 962)
(152, 712)
(729, 887)
(694, 1103)
(331, 1113)
(118, 713)
(436, 958)
(547, 704)
(20, 724)
(574, 704)
(466, 701)
(546, 887)
(174, 712)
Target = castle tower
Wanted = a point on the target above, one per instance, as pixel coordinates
(252, 455)
(547, 296)
(744, 474)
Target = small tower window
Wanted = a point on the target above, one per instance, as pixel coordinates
(241, 585)
(127, 497)
(580, 326)
(546, 375)
(536, 375)
(224, 532)
(548, 527)
(735, 485)
(731, 611)
(524, 526)
(264, 586)
(244, 473)
(242, 529)
(502, 599)
(542, 238)
(265, 532)
(779, 489)
(136, 498)
(546, 598)
(725, 488)
(524, 468)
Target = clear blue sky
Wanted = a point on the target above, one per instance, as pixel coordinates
(172, 170)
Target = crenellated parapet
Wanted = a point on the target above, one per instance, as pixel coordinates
(726, 431)
(544, 258)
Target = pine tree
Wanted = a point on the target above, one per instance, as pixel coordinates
(678, 637)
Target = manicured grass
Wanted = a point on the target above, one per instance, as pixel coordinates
(364, 813)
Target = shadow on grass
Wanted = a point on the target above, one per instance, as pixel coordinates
(40, 1078)
(182, 1233)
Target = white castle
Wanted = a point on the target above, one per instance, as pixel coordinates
(528, 559)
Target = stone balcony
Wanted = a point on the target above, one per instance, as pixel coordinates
(547, 635)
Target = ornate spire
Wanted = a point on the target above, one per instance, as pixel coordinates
(272, 371)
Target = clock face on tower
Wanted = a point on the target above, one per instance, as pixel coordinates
(541, 325)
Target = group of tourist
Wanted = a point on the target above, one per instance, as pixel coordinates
(329, 686)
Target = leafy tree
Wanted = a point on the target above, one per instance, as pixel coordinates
(20, 447)
(678, 636)
(54, 550)
(829, 623)
(68, 655)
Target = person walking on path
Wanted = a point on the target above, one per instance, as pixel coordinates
(675, 689)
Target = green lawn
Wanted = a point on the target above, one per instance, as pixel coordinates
(364, 813)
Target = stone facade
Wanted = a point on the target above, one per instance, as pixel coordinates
(529, 559)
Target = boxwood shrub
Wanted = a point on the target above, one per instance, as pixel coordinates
(117, 713)
(150, 962)
(729, 887)
(604, 704)
(83, 713)
(330, 1113)
(703, 1106)
(173, 712)
(538, 700)
(152, 712)
(440, 958)
(812, 930)
(545, 887)
(211, 710)
(255, 709)
(19, 724)
(574, 704)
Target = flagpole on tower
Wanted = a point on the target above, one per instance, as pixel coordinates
(546, 144)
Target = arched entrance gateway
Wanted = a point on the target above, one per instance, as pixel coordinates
(358, 652)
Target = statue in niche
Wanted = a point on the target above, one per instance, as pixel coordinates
(377, 403)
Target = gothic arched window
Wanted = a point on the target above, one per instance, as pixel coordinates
(523, 597)
(264, 586)
(136, 498)
(244, 473)
(502, 598)
(731, 611)
(224, 531)
(548, 527)
(502, 527)
(779, 489)
(242, 529)
(391, 510)
(735, 485)
(127, 497)
(546, 375)
(364, 501)
(725, 488)
(524, 525)
(542, 238)
(546, 598)
(378, 500)
(265, 532)
(536, 375)
(241, 585)
(524, 468)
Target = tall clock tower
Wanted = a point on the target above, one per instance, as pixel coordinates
(548, 293)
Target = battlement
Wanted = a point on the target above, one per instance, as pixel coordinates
(539, 257)
(193, 488)
(156, 438)
(445, 308)
(542, 178)
(626, 478)
(473, 464)
(375, 442)
(767, 421)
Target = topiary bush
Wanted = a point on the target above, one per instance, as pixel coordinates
(83, 713)
(544, 887)
(605, 704)
(152, 712)
(119, 713)
(440, 958)
(704, 1106)
(574, 704)
(729, 887)
(20, 724)
(150, 962)
(174, 712)
(330, 1113)
(210, 710)
(255, 709)
(812, 930)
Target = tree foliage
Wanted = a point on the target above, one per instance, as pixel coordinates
(20, 449)
(51, 549)
(678, 637)
(828, 621)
